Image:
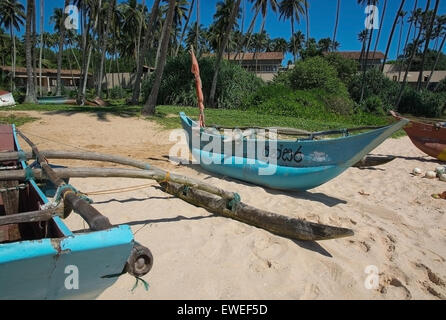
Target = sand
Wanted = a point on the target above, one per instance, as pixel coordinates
(400, 230)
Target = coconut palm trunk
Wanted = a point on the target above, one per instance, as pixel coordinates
(191, 8)
(440, 49)
(41, 45)
(104, 49)
(426, 46)
(412, 55)
(145, 46)
(13, 57)
(338, 8)
(221, 50)
(30, 89)
(149, 107)
(59, 54)
(380, 28)
(246, 42)
(389, 42)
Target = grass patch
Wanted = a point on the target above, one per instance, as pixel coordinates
(18, 120)
(168, 117)
(118, 109)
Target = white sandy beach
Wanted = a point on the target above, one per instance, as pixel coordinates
(399, 227)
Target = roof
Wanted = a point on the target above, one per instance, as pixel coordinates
(356, 55)
(249, 56)
(53, 71)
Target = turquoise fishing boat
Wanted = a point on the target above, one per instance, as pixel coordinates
(301, 164)
(41, 258)
(56, 100)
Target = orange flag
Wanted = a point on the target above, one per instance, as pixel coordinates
(196, 71)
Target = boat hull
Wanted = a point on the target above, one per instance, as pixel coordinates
(300, 165)
(6, 99)
(428, 138)
(47, 269)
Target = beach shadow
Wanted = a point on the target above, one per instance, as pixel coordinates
(313, 246)
(168, 220)
(132, 200)
(327, 200)
(101, 113)
(427, 159)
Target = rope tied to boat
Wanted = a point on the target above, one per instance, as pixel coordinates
(166, 178)
(65, 189)
(29, 175)
(22, 156)
(232, 205)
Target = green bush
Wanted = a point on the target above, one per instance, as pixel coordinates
(346, 68)
(178, 84)
(422, 103)
(377, 84)
(317, 73)
(118, 93)
(19, 95)
(374, 105)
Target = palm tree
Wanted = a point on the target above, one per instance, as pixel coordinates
(42, 14)
(292, 10)
(442, 31)
(296, 43)
(380, 28)
(414, 49)
(149, 107)
(362, 37)
(231, 22)
(260, 6)
(307, 19)
(279, 45)
(325, 44)
(366, 60)
(30, 88)
(191, 9)
(109, 6)
(395, 22)
(58, 18)
(401, 17)
(427, 41)
(12, 16)
(338, 9)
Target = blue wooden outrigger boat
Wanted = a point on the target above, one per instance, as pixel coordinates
(37, 257)
(301, 164)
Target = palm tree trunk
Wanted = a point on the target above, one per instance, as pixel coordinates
(13, 57)
(338, 8)
(380, 28)
(249, 32)
(436, 60)
(412, 55)
(90, 48)
(147, 40)
(30, 89)
(59, 55)
(33, 48)
(389, 42)
(232, 19)
(307, 19)
(366, 61)
(185, 27)
(197, 32)
(41, 45)
(158, 51)
(399, 49)
(104, 49)
(141, 22)
(149, 107)
(426, 46)
(293, 39)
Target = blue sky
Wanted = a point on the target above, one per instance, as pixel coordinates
(322, 19)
